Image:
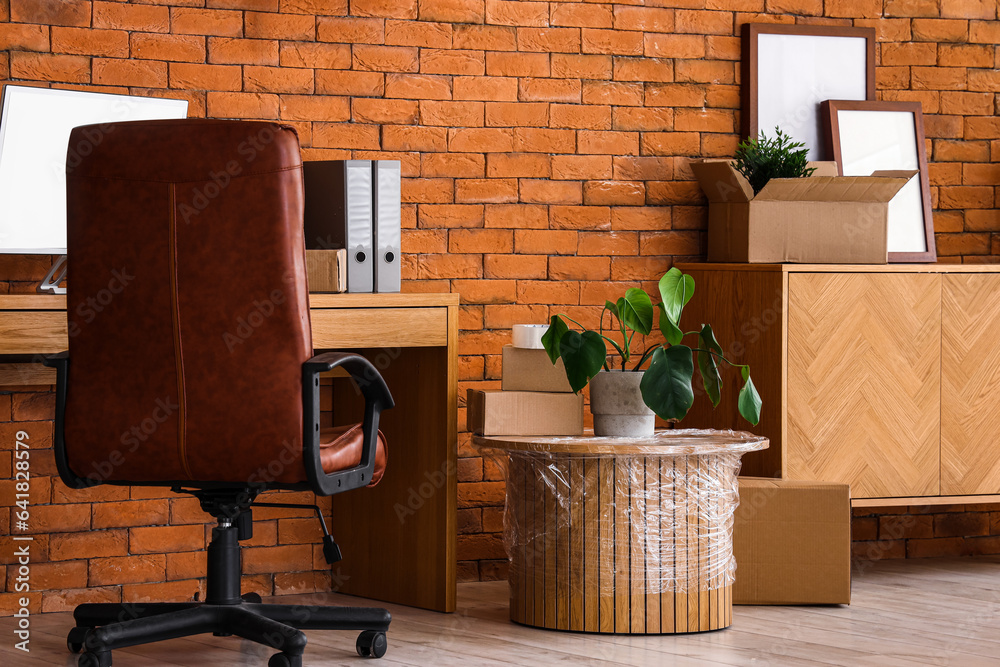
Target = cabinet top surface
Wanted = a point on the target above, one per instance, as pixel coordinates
(669, 442)
(844, 268)
(385, 300)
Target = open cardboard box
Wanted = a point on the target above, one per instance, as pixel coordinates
(822, 219)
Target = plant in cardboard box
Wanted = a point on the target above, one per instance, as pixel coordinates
(762, 159)
(625, 401)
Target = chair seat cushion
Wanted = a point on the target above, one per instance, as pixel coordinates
(340, 449)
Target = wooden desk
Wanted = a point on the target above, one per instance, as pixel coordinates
(398, 538)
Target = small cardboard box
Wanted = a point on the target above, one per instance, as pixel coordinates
(819, 219)
(530, 370)
(524, 413)
(792, 542)
(326, 270)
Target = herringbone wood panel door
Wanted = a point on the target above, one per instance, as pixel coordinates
(970, 384)
(864, 359)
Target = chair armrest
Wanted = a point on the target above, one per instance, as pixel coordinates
(377, 398)
(60, 362)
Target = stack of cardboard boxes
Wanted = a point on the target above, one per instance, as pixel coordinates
(535, 398)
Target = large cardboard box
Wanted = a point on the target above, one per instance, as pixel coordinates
(524, 413)
(530, 370)
(792, 542)
(326, 270)
(814, 220)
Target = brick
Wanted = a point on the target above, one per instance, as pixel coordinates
(545, 242)
(965, 196)
(127, 569)
(519, 216)
(662, 193)
(453, 165)
(331, 7)
(612, 42)
(911, 8)
(608, 142)
(242, 105)
(187, 565)
(549, 90)
(643, 69)
(452, 11)
(961, 151)
(314, 56)
(638, 268)
(704, 120)
(614, 193)
(674, 46)
(49, 576)
(424, 34)
(517, 165)
(963, 103)
(205, 77)
(484, 37)
(486, 291)
(515, 266)
(984, 80)
(24, 37)
(704, 22)
(481, 139)
(259, 5)
(892, 77)
(580, 217)
(58, 518)
(939, 78)
(51, 12)
(963, 244)
(704, 71)
(674, 95)
(670, 243)
(38, 406)
(449, 266)
(130, 513)
(579, 268)
(415, 139)
(362, 84)
(450, 216)
(517, 64)
(179, 48)
(932, 548)
(227, 51)
(670, 143)
(160, 539)
(289, 558)
(172, 591)
(981, 128)
(510, 12)
(984, 32)
(512, 114)
(428, 190)
(260, 25)
(386, 58)
(418, 86)
(460, 114)
(575, 116)
(399, 9)
(582, 15)
(486, 190)
(854, 8)
(966, 55)
(551, 192)
(66, 600)
(968, 9)
(549, 40)
(944, 127)
(194, 21)
(421, 240)
(581, 167)
(939, 30)
(569, 66)
(547, 292)
(378, 111)
(493, 88)
(613, 93)
(448, 61)
(350, 30)
(912, 53)
(642, 119)
(277, 79)
(47, 67)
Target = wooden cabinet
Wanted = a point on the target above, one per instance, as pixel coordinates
(884, 377)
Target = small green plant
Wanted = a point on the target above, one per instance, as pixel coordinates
(666, 385)
(762, 159)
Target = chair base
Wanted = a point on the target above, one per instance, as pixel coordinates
(101, 628)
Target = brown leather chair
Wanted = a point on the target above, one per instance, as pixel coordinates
(190, 362)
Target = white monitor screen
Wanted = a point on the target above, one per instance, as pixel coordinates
(34, 137)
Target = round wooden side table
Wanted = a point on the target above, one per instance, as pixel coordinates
(622, 535)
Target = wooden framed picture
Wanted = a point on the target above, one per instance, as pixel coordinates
(888, 136)
(789, 69)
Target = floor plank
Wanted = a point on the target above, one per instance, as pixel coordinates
(903, 613)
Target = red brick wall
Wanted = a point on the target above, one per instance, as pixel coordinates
(544, 146)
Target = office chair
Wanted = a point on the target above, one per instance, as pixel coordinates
(190, 363)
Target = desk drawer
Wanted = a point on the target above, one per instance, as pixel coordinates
(33, 332)
(379, 327)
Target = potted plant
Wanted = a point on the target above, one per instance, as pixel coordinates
(762, 159)
(624, 401)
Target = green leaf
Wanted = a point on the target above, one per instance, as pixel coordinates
(611, 307)
(707, 366)
(638, 311)
(666, 384)
(552, 336)
(669, 330)
(749, 401)
(676, 289)
(583, 355)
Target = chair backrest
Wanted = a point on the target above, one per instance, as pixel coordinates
(187, 301)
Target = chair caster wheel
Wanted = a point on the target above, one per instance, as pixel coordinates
(252, 598)
(94, 660)
(283, 660)
(76, 639)
(371, 644)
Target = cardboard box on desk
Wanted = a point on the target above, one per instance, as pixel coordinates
(792, 542)
(821, 219)
(531, 370)
(326, 270)
(524, 413)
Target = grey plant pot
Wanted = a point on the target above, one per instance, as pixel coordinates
(616, 403)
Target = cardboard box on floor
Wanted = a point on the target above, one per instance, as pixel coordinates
(524, 413)
(530, 370)
(792, 542)
(822, 219)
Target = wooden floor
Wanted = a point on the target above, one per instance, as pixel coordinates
(916, 612)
